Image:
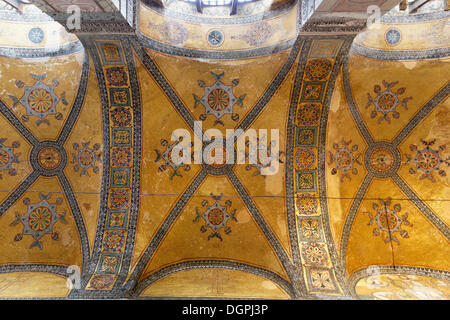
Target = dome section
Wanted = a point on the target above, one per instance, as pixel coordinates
(420, 33)
(254, 27)
(31, 33)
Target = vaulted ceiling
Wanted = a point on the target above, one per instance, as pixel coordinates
(355, 209)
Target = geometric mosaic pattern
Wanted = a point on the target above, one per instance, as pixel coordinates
(8, 157)
(39, 99)
(218, 99)
(319, 273)
(39, 220)
(122, 151)
(387, 220)
(427, 160)
(313, 267)
(216, 217)
(387, 101)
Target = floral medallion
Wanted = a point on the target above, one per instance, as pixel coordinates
(387, 102)
(121, 157)
(318, 69)
(314, 254)
(257, 35)
(388, 221)
(216, 217)
(117, 76)
(218, 99)
(121, 117)
(85, 157)
(8, 157)
(39, 220)
(345, 158)
(215, 37)
(393, 37)
(119, 198)
(39, 100)
(305, 158)
(101, 281)
(306, 204)
(382, 159)
(322, 279)
(49, 158)
(113, 241)
(36, 35)
(428, 160)
(308, 114)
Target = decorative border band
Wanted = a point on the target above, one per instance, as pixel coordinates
(401, 54)
(415, 17)
(192, 53)
(305, 186)
(115, 235)
(66, 49)
(51, 16)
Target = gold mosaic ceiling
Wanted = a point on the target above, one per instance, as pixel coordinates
(356, 209)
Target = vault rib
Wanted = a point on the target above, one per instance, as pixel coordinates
(162, 231)
(421, 205)
(440, 96)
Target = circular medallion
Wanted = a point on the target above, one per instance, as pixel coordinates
(101, 281)
(306, 204)
(4, 158)
(40, 218)
(113, 241)
(121, 157)
(305, 158)
(36, 35)
(314, 253)
(119, 199)
(121, 117)
(387, 219)
(344, 159)
(40, 100)
(117, 76)
(86, 157)
(218, 99)
(428, 160)
(216, 216)
(215, 38)
(393, 37)
(308, 114)
(318, 69)
(381, 159)
(49, 158)
(386, 102)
